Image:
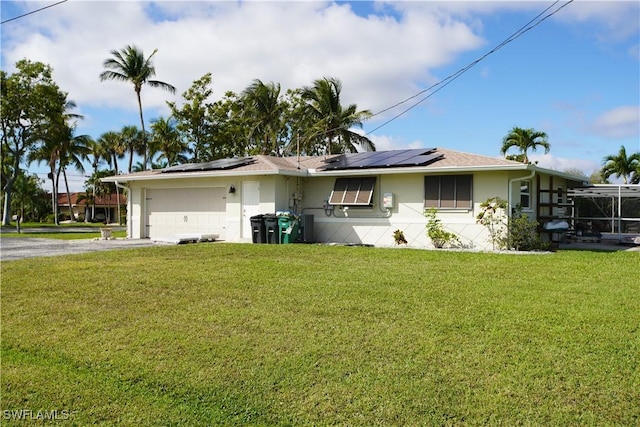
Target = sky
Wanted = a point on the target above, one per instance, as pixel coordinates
(574, 75)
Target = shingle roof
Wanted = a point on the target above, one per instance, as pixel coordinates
(294, 165)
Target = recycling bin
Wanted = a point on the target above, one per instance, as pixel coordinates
(258, 229)
(288, 228)
(272, 232)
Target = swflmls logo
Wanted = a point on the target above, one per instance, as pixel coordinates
(28, 414)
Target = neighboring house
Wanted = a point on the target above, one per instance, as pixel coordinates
(105, 206)
(358, 198)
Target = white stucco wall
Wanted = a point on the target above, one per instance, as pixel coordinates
(274, 197)
(375, 225)
(369, 225)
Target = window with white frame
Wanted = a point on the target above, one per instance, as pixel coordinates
(525, 194)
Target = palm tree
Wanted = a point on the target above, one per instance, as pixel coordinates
(130, 65)
(133, 140)
(263, 111)
(74, 150)
(59, 149)
(166, 140)
(112, 148)
(622, 166)
(524, 140)
(332, 121)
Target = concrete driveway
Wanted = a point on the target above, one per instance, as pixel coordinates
(13, 248)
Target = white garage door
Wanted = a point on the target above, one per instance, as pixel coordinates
(172, 211)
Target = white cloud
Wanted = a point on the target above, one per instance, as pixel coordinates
(379, 59)
(386, 142)
(621, 122)
(550, 161)
(611, 21)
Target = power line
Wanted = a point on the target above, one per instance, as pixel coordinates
(448, 80)
(32, 12)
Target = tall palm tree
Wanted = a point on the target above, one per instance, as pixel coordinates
(166, 140)
(621, 165)
(524, 140)
(74, 150)
(263, 111)
(59, 148)
(130, 65)
(133, 140)
(333, 122)
(112, 147)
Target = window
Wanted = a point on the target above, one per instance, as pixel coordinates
(448, 191)
(353, 191)
(525, 194)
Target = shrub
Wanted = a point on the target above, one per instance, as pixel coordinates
(522, 234)
(516, 232)
(398, 237)
(492, 215)
(436, 232)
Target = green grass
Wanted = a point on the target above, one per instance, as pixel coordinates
(65, 231)
(231, 334)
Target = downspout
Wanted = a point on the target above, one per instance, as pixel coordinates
(129, 212)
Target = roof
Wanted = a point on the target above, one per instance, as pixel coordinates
(440, 160)
(112, 200)
(607, 190)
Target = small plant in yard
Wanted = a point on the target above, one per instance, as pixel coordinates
(492, 215)
(436, 232)
(522, 235)
(516, 232)
(398, 237)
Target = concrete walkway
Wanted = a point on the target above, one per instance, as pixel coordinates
(14, 248)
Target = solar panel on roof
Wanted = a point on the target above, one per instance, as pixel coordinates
(382, 159)
(220, 164)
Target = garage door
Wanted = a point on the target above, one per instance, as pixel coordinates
(172, 211)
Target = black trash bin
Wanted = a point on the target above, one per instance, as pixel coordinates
(258, 230)
(271, 228)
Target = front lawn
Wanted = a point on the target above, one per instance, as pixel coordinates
(233, 334)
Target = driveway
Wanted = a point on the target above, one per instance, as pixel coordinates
(13, 248)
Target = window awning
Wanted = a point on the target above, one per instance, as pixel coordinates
(353, 191)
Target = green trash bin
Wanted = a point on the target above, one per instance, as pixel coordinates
(288, 226)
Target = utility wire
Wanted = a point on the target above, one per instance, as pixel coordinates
(448, 80)
(32, 12)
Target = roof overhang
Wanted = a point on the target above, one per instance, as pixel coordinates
(203, 174)
(417, 169)
(607, 191)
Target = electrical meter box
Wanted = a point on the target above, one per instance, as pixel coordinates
(387, 200)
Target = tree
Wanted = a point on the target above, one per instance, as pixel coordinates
(111, 148)
(194, 121)
(30, 101)
(263, 111)
(331, 121)
(524, 140)
(621, 165)
(30, 200)
(74, 150)
(59, 148)
(576, 172)
(96, 189)
(133, 140)
(165, 139)
(130, 65)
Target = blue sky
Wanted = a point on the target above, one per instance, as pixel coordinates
(575, 76)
